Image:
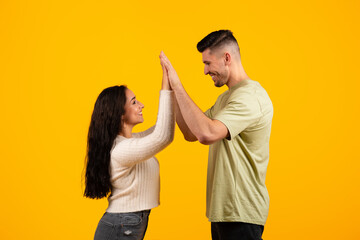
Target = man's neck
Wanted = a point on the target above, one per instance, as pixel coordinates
(236, 77)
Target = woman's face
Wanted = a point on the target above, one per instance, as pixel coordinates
(133, 110)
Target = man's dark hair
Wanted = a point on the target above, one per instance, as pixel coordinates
(216, 39)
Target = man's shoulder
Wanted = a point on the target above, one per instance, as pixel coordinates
(247, 89)
(245, 86)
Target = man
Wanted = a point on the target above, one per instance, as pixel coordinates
(237, 128)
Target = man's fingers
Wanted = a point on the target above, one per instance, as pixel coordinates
(163, 64)
(166, 65)
(165, 59)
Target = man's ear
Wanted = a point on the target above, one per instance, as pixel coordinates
(227, 58)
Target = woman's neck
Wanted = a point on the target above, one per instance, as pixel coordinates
(126, 131)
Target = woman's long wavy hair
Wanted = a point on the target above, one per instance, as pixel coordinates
(105, 125)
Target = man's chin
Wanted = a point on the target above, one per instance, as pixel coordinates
(219, 84)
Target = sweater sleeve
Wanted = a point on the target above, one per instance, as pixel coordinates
(144, 133)
(131, 151)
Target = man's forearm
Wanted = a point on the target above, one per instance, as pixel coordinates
(196, 121)
(188, 135)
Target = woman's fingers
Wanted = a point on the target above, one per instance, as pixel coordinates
(165, 74)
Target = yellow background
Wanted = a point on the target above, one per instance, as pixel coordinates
(57, 56)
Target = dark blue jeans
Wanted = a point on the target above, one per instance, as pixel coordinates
(236, 231)
(122, 226)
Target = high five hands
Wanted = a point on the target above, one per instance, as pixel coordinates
(172, 75)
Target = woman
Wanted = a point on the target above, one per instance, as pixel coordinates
(122, 163)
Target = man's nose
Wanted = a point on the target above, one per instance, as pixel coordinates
(206, 71)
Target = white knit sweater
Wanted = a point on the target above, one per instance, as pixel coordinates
(134, 169)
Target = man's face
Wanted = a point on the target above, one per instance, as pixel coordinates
(215, 67)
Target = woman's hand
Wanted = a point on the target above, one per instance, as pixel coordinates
(165, 77)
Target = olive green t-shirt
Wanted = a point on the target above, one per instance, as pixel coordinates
(236, 190)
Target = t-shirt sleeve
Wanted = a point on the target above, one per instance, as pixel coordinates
(240, 112)
(208, 113)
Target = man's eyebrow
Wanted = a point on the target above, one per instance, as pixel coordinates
(133, 98)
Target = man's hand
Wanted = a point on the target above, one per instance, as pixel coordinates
(173, 77)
